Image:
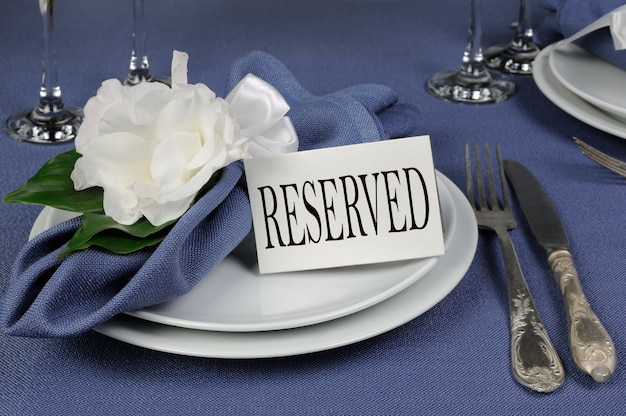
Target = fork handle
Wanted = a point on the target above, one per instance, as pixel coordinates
(592, 349)
(535, 362)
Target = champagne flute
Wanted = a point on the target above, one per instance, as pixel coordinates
(139, 70)
(517, 57)
(472, 82)
(51, 121)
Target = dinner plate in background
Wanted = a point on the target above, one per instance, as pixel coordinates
(568, 101)
(384, 316)
(234, 297)
(593, 79)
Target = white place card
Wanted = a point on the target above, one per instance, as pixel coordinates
(358, 204)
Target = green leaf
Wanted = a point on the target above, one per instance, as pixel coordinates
(52, 186)
(102, 231)
(99, 230)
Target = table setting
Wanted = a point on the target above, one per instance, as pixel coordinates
(134, 264)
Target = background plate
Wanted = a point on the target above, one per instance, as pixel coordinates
(591, 78)
(569, 102)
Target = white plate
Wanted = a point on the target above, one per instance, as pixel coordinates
(384, 316)
(570, 102)
(591, 78)
(234, 297)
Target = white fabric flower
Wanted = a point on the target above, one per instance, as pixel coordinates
(152, 148)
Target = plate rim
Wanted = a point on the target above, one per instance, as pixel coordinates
(314, 316)
(423, 267)
(570, 48)
(569, 102)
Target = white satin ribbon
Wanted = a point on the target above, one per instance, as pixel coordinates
(258, 108)
(179, 68)
(260, 111)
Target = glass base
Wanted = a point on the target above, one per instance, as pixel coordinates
(136, 78)
(32, 127)
(458, 87)
(512, 59)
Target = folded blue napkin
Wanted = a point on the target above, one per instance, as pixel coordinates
(566, 17)
(47, 297)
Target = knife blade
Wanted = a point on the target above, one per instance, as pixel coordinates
(591, 346)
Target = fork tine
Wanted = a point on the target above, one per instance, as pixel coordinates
(505, 193)
(480, 184)
(601, 158)
(593, 153)
(604, 160)
(492, 184)
(614, 165)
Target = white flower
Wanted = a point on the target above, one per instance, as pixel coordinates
(152, 148)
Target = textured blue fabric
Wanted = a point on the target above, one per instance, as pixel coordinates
(451, 360)
(47, 297)
(566, 17)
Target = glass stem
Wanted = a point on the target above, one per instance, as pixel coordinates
(473, 64)
(524, 33)
(139, 67)
(50, 100)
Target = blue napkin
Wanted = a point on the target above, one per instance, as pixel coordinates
(566, 17)
(51, 298)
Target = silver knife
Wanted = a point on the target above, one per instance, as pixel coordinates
(591, 346)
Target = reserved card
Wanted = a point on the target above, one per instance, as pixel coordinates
(358, 204)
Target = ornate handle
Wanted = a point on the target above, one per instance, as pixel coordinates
(533, 357)
(592, 348)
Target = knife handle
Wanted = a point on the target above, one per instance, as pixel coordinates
(592, 349)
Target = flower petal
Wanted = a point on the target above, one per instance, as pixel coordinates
(197, 181)
(117, 160)
(152, 147)
(170, 158)
(160, 213)
(121, 205)
(109, 93)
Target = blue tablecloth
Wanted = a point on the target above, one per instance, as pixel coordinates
(454, 359)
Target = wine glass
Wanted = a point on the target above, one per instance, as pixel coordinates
(51, 121)
(472, 82)
(517, 57)
(139, 70)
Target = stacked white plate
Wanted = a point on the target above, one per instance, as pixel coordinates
(583, 85)
(236, 313)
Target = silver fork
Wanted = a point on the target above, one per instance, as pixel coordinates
(534, 360)
(602, 159)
